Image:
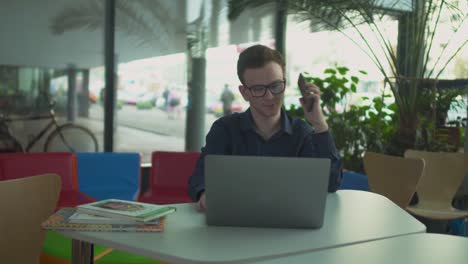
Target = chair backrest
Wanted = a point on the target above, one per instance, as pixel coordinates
(393, 177)
(19, 165)
(109, 175)
(170, 172)
(25, 203)
(443, 175)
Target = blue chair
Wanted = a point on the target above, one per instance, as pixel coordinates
(109, 175)
(354, 181)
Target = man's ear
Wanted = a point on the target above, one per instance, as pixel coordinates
(244, 92)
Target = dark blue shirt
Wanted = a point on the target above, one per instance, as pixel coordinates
(235, 135)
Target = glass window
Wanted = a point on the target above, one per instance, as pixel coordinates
(45, 77)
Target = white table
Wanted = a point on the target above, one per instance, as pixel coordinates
(350, 217)
(411, 249)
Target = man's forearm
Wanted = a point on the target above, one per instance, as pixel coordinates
(196, 183)
(325, 146)
(320, 127)
(335, 175)
(195, 190)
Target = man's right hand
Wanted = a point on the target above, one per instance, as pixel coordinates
(201, 204)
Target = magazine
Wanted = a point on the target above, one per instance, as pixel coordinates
(115, 208)
(61, 221)
(79, 218)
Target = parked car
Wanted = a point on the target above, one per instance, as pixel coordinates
(132, 98)
(216, 107)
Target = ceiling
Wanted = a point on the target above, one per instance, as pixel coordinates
(27, 39)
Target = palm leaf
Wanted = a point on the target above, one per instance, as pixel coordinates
(87, 16)
(144, 20)
(340, 14)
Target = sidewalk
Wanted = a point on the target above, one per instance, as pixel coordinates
(143, 131)
(151, 120)
(134, 140)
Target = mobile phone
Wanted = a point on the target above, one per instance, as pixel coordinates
(309, 101)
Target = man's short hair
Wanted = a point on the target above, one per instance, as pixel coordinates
(258, 56)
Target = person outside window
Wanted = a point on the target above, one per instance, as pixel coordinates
(227, 97)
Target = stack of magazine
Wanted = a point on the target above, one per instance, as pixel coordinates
(110, 215)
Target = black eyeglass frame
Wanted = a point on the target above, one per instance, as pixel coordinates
(269, 87)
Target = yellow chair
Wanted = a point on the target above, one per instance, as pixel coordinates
(393, 177)
(25, 203)
(441, 179)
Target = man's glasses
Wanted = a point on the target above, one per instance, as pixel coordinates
(275, 88)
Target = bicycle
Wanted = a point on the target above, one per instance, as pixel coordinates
(63, 138)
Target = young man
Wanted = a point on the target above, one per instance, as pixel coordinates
(265, 129)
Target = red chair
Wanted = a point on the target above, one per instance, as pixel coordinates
(169, 176)
(20, 165)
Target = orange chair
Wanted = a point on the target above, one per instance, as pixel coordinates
(169, 176)
(20, 165)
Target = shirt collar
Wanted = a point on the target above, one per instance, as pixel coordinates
(246, 122)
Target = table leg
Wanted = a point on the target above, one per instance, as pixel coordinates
(82, 252)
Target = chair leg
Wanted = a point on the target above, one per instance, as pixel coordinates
(102, 254)
(82, 252)
(435, 226)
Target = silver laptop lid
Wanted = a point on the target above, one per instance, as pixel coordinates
(256, 191)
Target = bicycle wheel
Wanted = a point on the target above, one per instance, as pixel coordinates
(71, 137)
(9, 144)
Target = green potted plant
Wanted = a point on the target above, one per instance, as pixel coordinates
(356, 128)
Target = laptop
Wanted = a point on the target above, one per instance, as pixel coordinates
(276, 192)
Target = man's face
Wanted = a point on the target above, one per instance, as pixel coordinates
(268, 105)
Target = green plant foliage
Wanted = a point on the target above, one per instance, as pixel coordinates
(356, 128)
(372, 124)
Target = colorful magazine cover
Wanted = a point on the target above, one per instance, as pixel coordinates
(60, 221)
